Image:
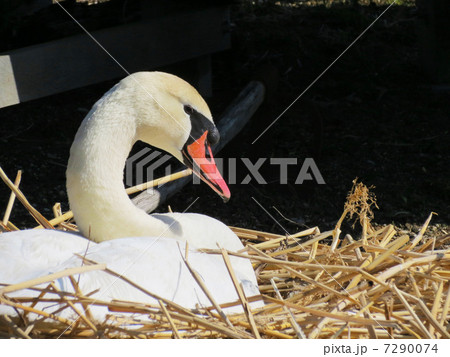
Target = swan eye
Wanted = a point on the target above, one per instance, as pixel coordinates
(189, 110)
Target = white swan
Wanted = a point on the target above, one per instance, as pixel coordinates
(165, 111)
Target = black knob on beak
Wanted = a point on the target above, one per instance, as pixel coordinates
(213, 136)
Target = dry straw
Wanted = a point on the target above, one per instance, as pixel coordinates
(383, 285)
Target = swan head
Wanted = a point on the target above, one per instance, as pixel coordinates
(173, 116)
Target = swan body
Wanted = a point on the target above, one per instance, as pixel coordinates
(154, 264)
(164, 111)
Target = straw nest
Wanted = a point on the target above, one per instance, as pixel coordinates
(315, 285)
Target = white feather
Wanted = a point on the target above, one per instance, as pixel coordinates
(152, 255)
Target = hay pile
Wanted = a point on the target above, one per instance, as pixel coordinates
(315, 285)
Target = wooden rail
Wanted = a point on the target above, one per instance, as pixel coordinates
(49, 68)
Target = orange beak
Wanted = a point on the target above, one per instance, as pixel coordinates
(198, 156)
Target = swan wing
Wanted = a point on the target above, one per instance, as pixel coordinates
(155, 264)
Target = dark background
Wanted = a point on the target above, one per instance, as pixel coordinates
(380, 114)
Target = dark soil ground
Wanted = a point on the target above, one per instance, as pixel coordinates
(374, 115)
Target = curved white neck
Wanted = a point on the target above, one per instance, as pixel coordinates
(95, 188)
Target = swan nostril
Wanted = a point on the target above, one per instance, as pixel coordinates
(213, 136)
(207, 155)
